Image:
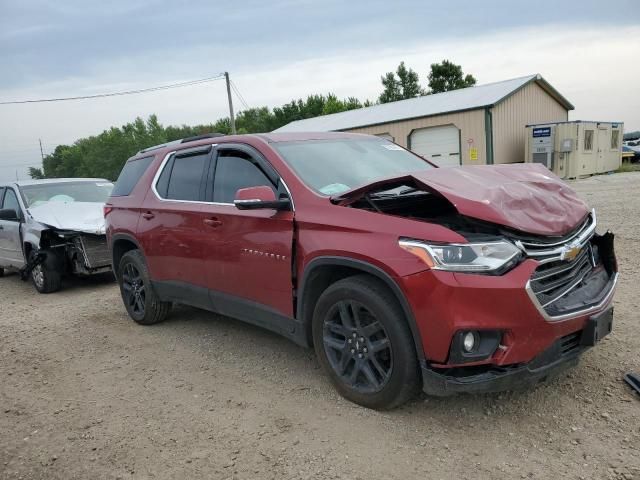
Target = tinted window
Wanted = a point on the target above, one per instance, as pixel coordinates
(1, 195)
(129, 176)
(185, 178)
(11, 201)
(234, 171)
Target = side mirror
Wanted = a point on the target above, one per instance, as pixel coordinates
(9, 214)
(255, 198)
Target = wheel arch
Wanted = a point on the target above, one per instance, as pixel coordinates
(122, 243)
(323, 271)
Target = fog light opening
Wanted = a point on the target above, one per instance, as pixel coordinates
(469, 341)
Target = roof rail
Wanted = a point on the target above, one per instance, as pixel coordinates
(200, 137)
(184, 140)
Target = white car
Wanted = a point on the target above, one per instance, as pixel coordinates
(49, 228)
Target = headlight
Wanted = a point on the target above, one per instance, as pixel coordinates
(466, 257)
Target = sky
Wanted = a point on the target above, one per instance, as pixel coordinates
(279, 50)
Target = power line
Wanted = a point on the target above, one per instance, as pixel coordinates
(116, 94)
(239, 95)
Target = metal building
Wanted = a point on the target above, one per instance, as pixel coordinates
(577, 148)
(484, 124)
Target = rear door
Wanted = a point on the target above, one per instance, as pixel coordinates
(247, 252)
(10, 244)
(171, 227)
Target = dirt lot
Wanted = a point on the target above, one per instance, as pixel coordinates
(86, 393)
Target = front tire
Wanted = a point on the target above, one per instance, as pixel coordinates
(140, 300)
(364, 343)
(45, 276)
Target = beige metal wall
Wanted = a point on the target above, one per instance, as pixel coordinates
(528, 105)
(470, 124)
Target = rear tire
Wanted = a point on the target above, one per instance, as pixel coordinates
(140, 300)
(46, 278)
(364, 343)
(1, 272)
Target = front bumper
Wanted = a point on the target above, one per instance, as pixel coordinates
(563, 354)
(444, 303)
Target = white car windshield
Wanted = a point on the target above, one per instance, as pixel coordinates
(66, 192)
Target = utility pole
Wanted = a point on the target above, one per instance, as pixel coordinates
(41, 151)
(231, 116)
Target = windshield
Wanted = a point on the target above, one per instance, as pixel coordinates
(331, 167)
(66, 192)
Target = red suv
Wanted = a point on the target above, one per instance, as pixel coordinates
(400, 275)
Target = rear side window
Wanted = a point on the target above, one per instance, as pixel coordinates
(183, 182)
(1, 195)
(234, 171)
(130, 175)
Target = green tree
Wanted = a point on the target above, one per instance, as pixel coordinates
(104, 155)
(36, 173)
(447, 76)
(402, 84)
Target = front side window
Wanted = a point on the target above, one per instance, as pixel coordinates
(235, 170)
(334, 166)
(588, 140)
(11, 201)
(184, 177)
(66, 192)
(615, 139)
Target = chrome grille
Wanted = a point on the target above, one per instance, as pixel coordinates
(549, 249)
(552, 280)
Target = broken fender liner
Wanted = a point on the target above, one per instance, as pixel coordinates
(525, 197)
(50, 259)
(34, 259)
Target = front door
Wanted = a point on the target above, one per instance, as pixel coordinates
(10, 243)
(248, 254)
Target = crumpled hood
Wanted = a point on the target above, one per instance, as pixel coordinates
(525, 197)
(84, 217)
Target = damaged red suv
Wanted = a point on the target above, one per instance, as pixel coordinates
(401, 275)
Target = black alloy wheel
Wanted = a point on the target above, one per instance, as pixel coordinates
(133, 288)
(363, 341)
(357, 347)
(141, 301)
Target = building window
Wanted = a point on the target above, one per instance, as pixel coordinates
(615, 139)
(588, 140)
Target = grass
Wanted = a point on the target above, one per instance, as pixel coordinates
(628, 167)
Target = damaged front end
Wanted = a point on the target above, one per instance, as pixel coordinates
(522, 206)
(66, 251)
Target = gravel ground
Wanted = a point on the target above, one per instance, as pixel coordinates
(87, 393)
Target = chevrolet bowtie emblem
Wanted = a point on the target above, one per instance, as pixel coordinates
(570, 252)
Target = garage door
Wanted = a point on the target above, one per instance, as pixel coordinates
(441, 145)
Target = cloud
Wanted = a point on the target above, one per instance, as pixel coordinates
(594, 67)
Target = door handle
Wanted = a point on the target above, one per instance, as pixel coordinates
(148, 215)
(212, 222)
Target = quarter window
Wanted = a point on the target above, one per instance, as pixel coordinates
(615, 139)
(129, 176)
(235, 170)
(185, 177)
(588, 140)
